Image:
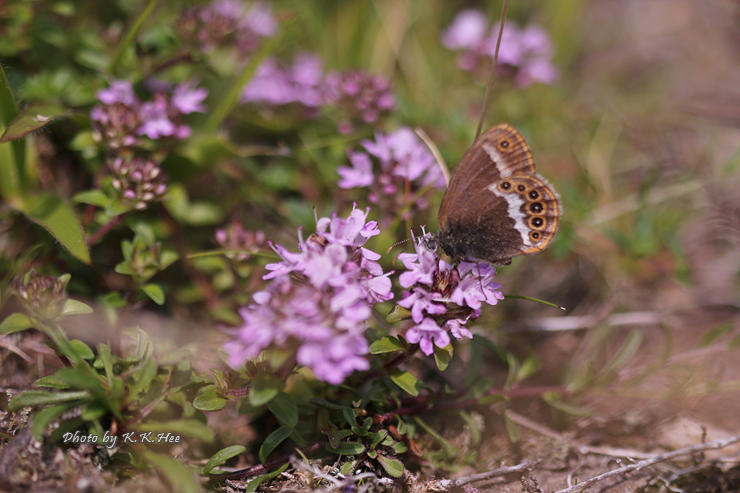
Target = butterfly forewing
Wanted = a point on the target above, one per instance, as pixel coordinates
(499, 152)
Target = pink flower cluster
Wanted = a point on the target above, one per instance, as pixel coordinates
(442, 298)
(275, 85)
(139, 181)
(228, 23)
(318, 302)
(359, 97)
(241, 242)
(123, 118)
(525, 54)
(403, 166)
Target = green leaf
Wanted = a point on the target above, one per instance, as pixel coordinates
(32, 118)
(189, 427)
(629, 348)
(92, 197)
(155, 292)
(167, 258)
(317, 401)
(528, 368)
(351, 417)
(144, 376)
(209, 399)
(31, 398)
(82, 377)
(379, 437)
(50, 381)
(400, 448)
(449, 450)
(715, 333)
(443, 356)
(491, 346)
(74, 307)
(397, 314)
(553, 399)
(265, 386)
(328, 428)
(204, 214)
(393, 467)
(256, 482)
(82, 349)
(273, 440)
(386, 344)
(284, 409)
(407, 381)
(43, 417)
(179, 477)
(15, 322)
(347, 448)
(105, 357)
(222, 456)
(512, 429)
(93, 410)
(59, 220)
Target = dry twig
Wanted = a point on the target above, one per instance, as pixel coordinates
(716, 444)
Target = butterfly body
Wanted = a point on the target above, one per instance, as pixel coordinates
(497, 206)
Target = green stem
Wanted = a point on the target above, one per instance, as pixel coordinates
(231, 99)
(130, 36)
(8, 113)
(534, 299)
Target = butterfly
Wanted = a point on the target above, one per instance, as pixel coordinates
(497, 206)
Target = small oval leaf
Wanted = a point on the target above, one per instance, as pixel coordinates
(74, 307)
(397, 314)
(265, 386)
(393, 467)
(82, 349)
(273, 440)
(15, 322)
(347, 448)
(443, 356)
(155, 292)
(209, 399)
(407, 381)
(386, 344)
(222, 456)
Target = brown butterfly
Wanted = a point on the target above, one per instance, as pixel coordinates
(496, 205)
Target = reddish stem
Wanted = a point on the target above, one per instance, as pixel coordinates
(103, 230)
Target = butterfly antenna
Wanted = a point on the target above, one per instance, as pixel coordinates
(493, 69)
(396, 244)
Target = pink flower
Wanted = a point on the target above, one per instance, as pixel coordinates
(428, 334)
(120, 91)
(187, 99)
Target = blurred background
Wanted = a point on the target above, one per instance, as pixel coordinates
(635, 122)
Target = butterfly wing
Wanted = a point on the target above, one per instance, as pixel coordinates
(497, 206)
